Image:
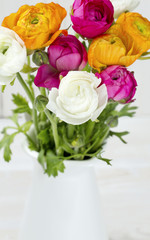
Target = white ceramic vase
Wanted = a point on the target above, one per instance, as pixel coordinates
(67, 207)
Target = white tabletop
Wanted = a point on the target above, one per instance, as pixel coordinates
(124, 187)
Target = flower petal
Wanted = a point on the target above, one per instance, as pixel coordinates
(69, 62)
(47, 77)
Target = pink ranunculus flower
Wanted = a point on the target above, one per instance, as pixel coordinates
(66, 53)
(91, 18)
(120, 83)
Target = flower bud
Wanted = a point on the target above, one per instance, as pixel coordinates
(40, 57)
(120, 83)
(40, 103)
(91, 18)
(112, 121)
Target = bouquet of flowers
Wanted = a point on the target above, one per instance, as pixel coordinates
(83, 84)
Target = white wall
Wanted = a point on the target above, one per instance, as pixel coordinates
(141, 68)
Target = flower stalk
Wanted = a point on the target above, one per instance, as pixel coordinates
(54, 128)
(30, 96)
(25, 87)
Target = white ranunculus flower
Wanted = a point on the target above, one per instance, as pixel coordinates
(121, 6)
(12, 55)
(78, 99)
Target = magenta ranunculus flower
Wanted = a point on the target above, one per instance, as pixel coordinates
(91, 18)
(120, 83)
(66, 53)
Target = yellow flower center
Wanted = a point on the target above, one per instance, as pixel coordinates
(143, 27)
(33, 21)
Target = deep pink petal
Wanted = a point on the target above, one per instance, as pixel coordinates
(69, 62)
(47, 77)
(120, 83)
(54, 51)
(67, 53)
(89, 29)
(92, 17)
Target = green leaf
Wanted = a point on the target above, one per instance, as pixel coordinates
(21, 102)
(31, 144)
(127, 111)
(54, 164)
(14, 118)
(26, 126)
(12, 82)
(5, 143)
(108, 161)
(44, 136)
(28, 69)
(3, 88)
(7, 153)
(42, 159)
(22, 109)
(119, 135)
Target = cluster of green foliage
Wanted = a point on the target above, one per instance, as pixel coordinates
(55, 140)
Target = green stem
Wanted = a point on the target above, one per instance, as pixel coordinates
(43, 92)
(31, 97)
(143, 58)
(70, 131)
(28, 62)
(145, 54)
(54, 128)
(89, 129)
(25, 87)
(34, 112)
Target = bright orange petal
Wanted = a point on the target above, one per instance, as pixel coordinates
(106, 50)
(54, 36)
(11, 20)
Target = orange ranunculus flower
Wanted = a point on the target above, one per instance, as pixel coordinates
(137, 27)
(110, 49)
(38, 26)
(134, 50)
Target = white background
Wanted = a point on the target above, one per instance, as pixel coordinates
(141, 68)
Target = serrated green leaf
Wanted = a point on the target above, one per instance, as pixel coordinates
(28, 69)
(119, 135)
(5, 143)
(22, 109)
(21, 102)
(31, 144)
(44, 136)
(26, 126)
(14, 118)
(127, 111)
(42, 159)
(54, 164)
(108, 161)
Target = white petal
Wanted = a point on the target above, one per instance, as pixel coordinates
(4, 80)
(103, 98)
(77, 100)
(121, 6)
(13, 60)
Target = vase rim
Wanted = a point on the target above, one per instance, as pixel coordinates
(87, 162)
